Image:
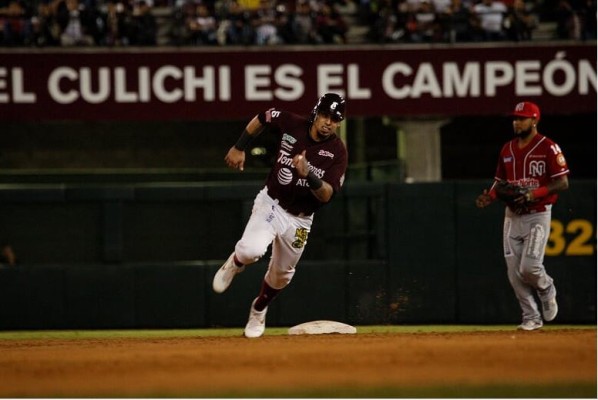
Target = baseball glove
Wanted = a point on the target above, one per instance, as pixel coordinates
(514, 196)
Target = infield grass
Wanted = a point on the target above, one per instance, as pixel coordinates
(569, 391)
(224, 332)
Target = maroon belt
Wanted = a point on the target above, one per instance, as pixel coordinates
(297, 214)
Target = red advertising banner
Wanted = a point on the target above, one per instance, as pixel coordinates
(234, 83)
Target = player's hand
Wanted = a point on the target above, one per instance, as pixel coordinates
(483, 200)
(526, 197)
(301, 165)
(235, 158)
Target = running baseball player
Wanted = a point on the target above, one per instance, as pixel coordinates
(536, 167)
(309, 169)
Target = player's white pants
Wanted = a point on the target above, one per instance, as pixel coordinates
(270, 224)
(524, 240)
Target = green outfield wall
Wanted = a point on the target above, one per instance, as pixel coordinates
(142, 256)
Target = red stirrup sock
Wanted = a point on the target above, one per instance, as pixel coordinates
(237, 262)
(267, 294)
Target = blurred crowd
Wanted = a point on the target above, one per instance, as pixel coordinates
(479, 20)
(44, 23)
(77, 23)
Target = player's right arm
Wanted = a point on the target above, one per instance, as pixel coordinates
(487, 197)
(235, 158)
(321, 189)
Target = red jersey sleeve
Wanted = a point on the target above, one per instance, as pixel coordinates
(557, 164)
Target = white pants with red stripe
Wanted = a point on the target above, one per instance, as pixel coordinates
(524, 241)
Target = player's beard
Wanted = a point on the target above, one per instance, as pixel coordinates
(524, 133)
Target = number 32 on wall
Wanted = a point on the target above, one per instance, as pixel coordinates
(560, 241)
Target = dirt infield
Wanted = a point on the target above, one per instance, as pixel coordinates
(281, 365)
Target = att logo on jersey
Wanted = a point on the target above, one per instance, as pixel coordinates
(285, 176)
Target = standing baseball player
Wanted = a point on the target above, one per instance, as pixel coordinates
(309, 169)
(536, 166)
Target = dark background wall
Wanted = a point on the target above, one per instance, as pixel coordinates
(195, 150)
(143, 256)
(470, 145)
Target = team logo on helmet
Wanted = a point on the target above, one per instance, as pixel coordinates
(331, 104)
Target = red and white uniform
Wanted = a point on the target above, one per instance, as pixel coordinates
(525, 233)
(533, 166)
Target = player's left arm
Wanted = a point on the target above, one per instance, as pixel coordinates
(557, 184)
(557, 170)
(324, 193)
(321, 189)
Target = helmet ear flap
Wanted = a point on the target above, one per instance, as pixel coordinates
(314, 113)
